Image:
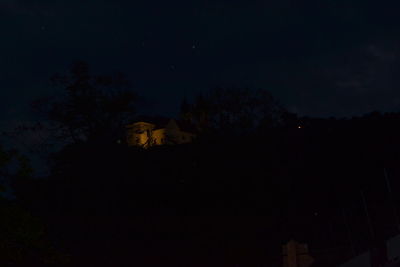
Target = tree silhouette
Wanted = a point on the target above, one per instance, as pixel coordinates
(23, 239)
(93, 108)
(233, 110)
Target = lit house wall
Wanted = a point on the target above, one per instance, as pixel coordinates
(175, 135)
(145, 134)
(159, 136)
(139, 133)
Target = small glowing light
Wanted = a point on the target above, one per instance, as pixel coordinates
(299, 127)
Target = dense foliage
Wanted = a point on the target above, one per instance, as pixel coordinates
(255, 176)
(305, 183)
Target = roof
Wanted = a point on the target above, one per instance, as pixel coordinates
(161, 122)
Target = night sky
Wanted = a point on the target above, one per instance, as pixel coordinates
(319, 58)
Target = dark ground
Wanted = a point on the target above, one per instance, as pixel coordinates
(224, 201)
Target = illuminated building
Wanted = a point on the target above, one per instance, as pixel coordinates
(149, 132)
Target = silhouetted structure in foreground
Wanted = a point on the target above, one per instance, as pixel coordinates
(296, 255)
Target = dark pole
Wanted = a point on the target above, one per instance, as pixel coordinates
(391, 199)
(371, 229)
(349, 233)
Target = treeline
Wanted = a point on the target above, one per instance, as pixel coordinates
(256, 176)
(307, 183)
